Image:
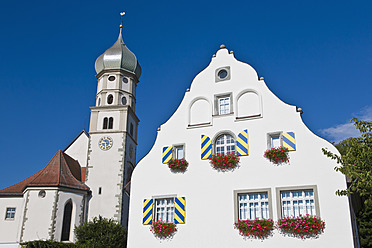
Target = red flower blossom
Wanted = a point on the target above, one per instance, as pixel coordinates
(301, 226)
(277, 155)
(258, 228)
(224, 162)
(178, 164)
(162, 229)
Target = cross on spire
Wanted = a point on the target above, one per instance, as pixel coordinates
(121, 18)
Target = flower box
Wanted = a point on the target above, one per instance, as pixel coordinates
(162, 229)
(277, 155)
(178, 164)
(224, 162)
(258, 228)
(302, 226)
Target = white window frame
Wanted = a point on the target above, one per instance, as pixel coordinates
(225, 145)
(11, 211)
(293, 202)
(227, 97)
(224, 105)
(270, 137)
(168, 208)
(176, 148)
(237, 202)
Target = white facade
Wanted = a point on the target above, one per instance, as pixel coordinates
(211, 195)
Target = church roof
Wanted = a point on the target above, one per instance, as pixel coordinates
(118, 57)
(61, 171)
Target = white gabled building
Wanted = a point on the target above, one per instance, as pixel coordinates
(227, 100)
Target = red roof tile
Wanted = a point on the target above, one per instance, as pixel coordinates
(62, 170)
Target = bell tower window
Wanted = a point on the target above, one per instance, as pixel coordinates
(110, 99)
(105, 122)
(111, 123)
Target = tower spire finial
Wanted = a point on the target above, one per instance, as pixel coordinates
(121, 19)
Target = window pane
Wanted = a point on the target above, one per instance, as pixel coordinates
(253, 205)
(164, 210)
(275, 141)
(179, 152)
(299, 202)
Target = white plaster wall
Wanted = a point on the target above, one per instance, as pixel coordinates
(9, 229)
(77, 211)
(38, 214)
(79, 149)
(105, 171)
(209, 193)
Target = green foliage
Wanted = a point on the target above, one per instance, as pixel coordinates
(356, 160)
(364, 218)
(356, 164)
(101, 232)
(47, 244)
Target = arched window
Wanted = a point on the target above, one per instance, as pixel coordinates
(66, 225)
(105, 122)
(225, 144)
(111, 123)
(110, 99)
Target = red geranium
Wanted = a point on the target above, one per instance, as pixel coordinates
(162, 229)
(178, 164)
(301, 226)
(277, 155)
(258, 228)
(224, 162)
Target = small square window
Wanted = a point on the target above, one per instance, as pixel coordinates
(223, 104)
(252, 204)
(178, 152)
(274, 140)
(296, 202)
(164, 209)
(10, 213)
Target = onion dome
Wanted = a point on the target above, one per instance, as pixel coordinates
(118, 57)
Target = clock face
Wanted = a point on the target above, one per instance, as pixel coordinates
(105, 143)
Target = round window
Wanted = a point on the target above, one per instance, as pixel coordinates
(110, 99)
(125, 80)
(222, 74)
(111, 78)
(124, 100)
(42, 193)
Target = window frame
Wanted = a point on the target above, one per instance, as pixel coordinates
(252, 191)
(6, 213)
(215, 142)
(217, 105)
(156, 198)
(279, 190)
(217, 71)
(271, 135)
(174, 153)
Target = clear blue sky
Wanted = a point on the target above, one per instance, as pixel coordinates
(313, 54)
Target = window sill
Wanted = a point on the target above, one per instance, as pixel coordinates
(229, 114)
(207, 124)
(250, 117)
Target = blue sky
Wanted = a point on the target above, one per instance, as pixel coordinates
(313, 54)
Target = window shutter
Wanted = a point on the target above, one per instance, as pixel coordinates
(289, 141)
(147, 211)
(180, 210)
(242, 143)
(167, 154)
(206, 147)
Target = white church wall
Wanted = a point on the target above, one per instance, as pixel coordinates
(210, 194)
(38, 224)
(78, 150)
(10, 227)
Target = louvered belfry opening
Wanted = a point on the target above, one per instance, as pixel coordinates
(66, 225)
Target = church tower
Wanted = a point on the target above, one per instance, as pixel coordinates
(113, 133)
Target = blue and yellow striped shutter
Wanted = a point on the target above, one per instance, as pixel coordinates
(242, 143)
(206, 147)
(167, 154)
(180, 210)
(147, 211)
(289, 141)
